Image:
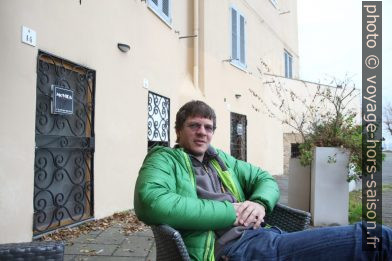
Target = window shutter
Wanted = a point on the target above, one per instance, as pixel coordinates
(286, 65)
(165, 7)
(161, 8)
(234, 34)
(274, 2)
(242, 39)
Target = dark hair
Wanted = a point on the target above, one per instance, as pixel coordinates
(192, 109)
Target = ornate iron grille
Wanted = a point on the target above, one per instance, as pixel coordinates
(158, 120)
(295, 152)
(238, 136)
(63, 169)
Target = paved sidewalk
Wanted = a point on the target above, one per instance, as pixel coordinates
(112, 245)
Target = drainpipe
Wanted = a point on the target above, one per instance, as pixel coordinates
(196, 43)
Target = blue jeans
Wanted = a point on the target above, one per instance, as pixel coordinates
(328, 243)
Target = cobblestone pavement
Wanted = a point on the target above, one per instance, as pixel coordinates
(112, 245)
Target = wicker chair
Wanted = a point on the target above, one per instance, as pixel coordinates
(171, 247)
(53, 251)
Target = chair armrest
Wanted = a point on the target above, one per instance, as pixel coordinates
(53, 251)
(288, 219)
(169, 243)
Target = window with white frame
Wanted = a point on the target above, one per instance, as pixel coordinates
(162, 8)
(288, 65)
(238, 50)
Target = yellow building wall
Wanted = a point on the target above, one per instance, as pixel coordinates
(87, 32)
(266, 36)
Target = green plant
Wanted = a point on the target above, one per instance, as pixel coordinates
(387, 187)
(355, 206)
(344, 134)
(336, 128)
(323, 116)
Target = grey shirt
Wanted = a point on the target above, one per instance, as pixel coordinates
(209, 186)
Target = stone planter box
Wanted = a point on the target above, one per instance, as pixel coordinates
(299, 185)
(329, 188)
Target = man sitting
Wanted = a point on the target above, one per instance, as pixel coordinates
(218, 202)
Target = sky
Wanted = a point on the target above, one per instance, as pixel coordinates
(330, 43)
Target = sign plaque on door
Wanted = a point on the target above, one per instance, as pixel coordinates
(240, 129)
(62, 100)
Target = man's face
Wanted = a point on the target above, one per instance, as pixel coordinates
(195, 135)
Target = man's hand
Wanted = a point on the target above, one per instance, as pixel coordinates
(249, 212)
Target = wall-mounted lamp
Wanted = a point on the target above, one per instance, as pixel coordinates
(237, 95)
(123, 47)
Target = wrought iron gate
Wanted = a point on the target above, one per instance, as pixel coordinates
(238, 136)
(64, 138)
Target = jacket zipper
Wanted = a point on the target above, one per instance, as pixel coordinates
(227, 180)
(209, 248)
(190, 169)
(209, 252)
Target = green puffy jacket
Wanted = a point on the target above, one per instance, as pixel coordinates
(165, 193)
